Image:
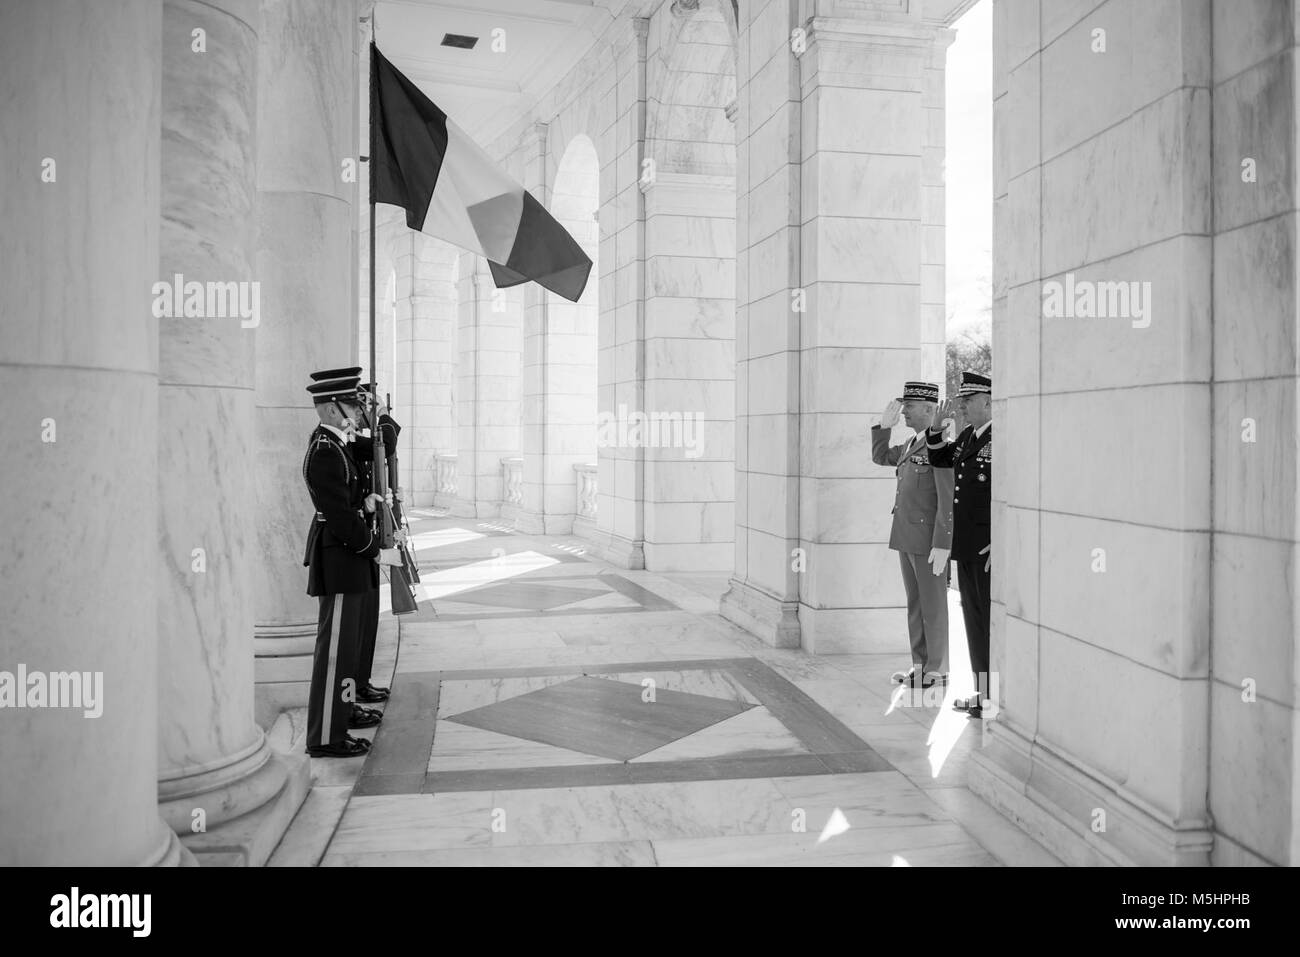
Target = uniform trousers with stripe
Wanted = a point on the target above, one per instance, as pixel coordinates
(369, 634)
(976, 608)
(927, 613)
(338, 638)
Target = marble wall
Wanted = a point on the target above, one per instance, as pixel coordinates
(1135, 595)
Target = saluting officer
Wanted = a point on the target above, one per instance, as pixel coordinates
(971, 458)
(921, 532)
(342, 555)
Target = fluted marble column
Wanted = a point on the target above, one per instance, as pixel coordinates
(79, 370)
(220, 784)
(306, 89)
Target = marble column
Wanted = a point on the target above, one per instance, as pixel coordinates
(558, 404)
(306, 261)
(1254, 629)
(619, 535)
(934, 233)
(425, 360)
(220, 785)
(79, 369)
(829, 253)
(487, 413)
(1102, 578)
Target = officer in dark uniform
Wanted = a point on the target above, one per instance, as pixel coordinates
(342, 554)
(363, 453)
(971, 458)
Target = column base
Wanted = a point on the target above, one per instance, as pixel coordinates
(171, 852)
(263, 805)
(282, 660)
(690, 556)
(462, 508)
(615, 549)
(1054, 800)
(534, 523)
(762, 615)
(854, 631)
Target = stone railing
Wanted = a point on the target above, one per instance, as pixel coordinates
(512, 482)
(585, 476)
(445, 478)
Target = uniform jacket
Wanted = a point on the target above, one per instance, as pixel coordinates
(341, 546)
(363, 451)
(919, 524)
(971, 461)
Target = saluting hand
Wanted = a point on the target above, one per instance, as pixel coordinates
(889, 418)
(948, 412)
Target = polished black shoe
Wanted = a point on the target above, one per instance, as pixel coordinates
(372, 695)
(364, 718)
(904, 677)
(349, 747)
(969, 707)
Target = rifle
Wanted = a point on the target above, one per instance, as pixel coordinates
(394, 484)
(401, 592)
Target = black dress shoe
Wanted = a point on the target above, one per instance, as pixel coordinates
(904, 677)
(364, 718)
(349, 747)
(969, 706)
(372, 695)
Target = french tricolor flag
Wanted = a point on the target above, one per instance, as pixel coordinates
(451, 189)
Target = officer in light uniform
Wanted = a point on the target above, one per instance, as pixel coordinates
(342, 555)
(971, 459)
(921, 532)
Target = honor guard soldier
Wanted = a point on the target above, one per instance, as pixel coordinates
(342, 555)
(971, 459)
(371, 409)
(921, 532)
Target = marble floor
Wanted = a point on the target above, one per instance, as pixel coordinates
(550, 709)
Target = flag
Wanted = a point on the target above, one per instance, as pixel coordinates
(422, 161)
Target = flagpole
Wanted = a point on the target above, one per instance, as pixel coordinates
(374, 393)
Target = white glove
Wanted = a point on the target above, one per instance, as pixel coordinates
(985, 551)
(389, 556)
(938, 560)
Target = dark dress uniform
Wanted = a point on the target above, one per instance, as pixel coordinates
(365, 455)
(971, 459)
(342, 572)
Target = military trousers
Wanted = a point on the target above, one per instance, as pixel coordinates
(369, 634)
(927, 613)
(334, 667)
(976, 608)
